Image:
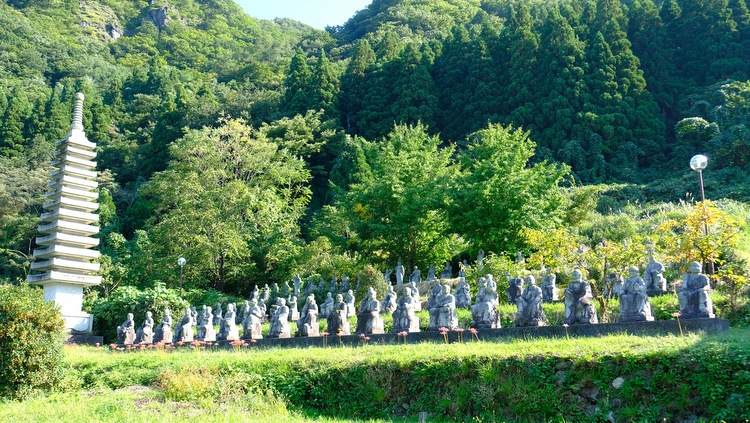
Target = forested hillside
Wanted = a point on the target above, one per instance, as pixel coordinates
(410, 107)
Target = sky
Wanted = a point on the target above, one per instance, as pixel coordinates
(316, 13)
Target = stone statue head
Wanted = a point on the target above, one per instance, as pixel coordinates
(482, 282)
(208, 309)
(253, 302)
(633, 271)
(407, 292)
(339, 298)
(188, 312)
(328, 296)
(350, 292)
(372, 294)
(148, 315)
(530, 280)
(130, 316)
(416, 268)
(310, 299)
(445, 289)
(167, 312)
(695, 267)
(577, 276)
(281, 301)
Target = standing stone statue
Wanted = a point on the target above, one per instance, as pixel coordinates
(404, 319)
(286, 289)
(194, 313)
(656, 283)
(163, 333)
(578, 305)
(145, 333)
(416, 275)
(463, 295)
(443, 314)
(307, 325)
(368, 319)
(327, 307)
(279, 327)
(228, 330)
(251, 326)
(399, 273)
(514, 290)
(614, 280)
(297, 284)
(431, 273)
(530, 311)
(126, 331)
(351, 310)
(334, 287)
(344, 283)
(387, 276)
(321, 285)
(549, 286)
(359, 279)
(337, 323)
(184, 330)
(491, 289)
(265, 294)
(634, 304)
(218, 314)
(263, 308)
(480, 258)
(293, 310)
(693, 296)
(205, 327)
(434, 294)
(447, 271)
(462, 269)
(275, 290)
(389, 301)
(256, 294)
(241, 315)
(484, 314)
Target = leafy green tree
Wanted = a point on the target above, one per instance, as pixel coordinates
(353, 82)
(297, 97)
(324, 88)
(12, 132)
(57, 123)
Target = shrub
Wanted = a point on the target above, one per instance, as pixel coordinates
(30, 341)
(370, 277)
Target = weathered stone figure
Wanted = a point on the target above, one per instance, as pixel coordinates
(399, 273)
(351, 310)
(480, 258)
(265, 294)
(309, 287)
(404, 319)
(280, 321)
(693, 296)
(251, 325)
(491, 290)
(337, 323)
(514, 290)
(145, 333)
(389, 301)
(434, 294)
(415, 295)
(578, 305)
(241, 315)
(163, 332)
(256, 294)
(387, 276)
(484, 314)
(443, 314)
(184, 330)
(126, 331)
(205, 328)
(463, 295)
(307, 325)
(334, 287)
(228, 330)
(286, 289)
(530, 311)
(416, 275)
(275, 289)
(462, 269)
(549, 286)
(634, 304)
(656, 283)
(297, 285)
(614, 280)
(344, 283)
(327, 307)
(194, 313)
(321, 285)
(447, 271)
(293, 310)
(368, 319)
(431, 273)
(218, 314)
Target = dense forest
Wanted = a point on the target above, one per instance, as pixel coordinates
(421, 130)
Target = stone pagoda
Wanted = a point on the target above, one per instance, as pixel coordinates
(65, 258)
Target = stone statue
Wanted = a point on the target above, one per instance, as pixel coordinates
(327, 307)
(514, 290)
(520, 258)
(656, 283)
(334, 287)
(387, 276)
(416, 275)
(578, 305)
(484, 314)
(351, 310)
(368, 319)
(415, 295)
(463, 294)
(241, 315)
(399, 273)
(279, 327)
(344, 283)
(163, 332)
(145, 333)
(389, 301)
(480, 258)
(265, 294)
(297, 284)
(218, 314)
(205, 325)
(194, 313)
(693, 296)
(228, 330)
(307, 325)
(263, 308)
(443, 314)
(491, 290)
(275, 290)
(530, 311)
(462, 269)
(359, 279)
(251, 326)
(404, 319)
(286, 289)
(549, 287)
(184, 330)
(256, 294)
(126, 331)
(431, 273)
(321, 285)
(614, 280)
(634, 304)
(434, 294)
(293, 310)
(309, 287)
(447, 271)
(337, 323)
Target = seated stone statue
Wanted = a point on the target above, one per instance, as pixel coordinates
(194, 313)
(334, 285)
(368, 319)
(549, 286)
(614, 280)
(293, 310)
(447, 271)
(228, 330)
(491, 290)
(264, 309)
(351, 309)
(434, 294)
(206, 331)
(218, 314)
(251, 326)
(344, 283)
(415, 295)
(578, 305)
(307, 325)
(484, 314)
(463, 295)
(265, 294)
(693, 296)
(530, 311)
(327, 307)
(514, 290)
(389, 301)
(656, 283)
(126, 331)
(280, 327)
(337, 323)
(145, 333)
(184, 330)
(163, 333)
(634, 304)
(431, 273)
(241, 315)
(404, 319)
(416, 275)
(443, 314)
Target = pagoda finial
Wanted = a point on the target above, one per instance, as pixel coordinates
(78, 113)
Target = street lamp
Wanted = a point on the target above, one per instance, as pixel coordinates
(181, 261)
(698, 163)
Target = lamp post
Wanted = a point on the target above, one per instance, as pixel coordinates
(181, 261)
(698, 163)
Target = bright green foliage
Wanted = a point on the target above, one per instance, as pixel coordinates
(30, 341)
(298, 83)
(324, 89)
(353, 81)
(370, 277)
(12, 132)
